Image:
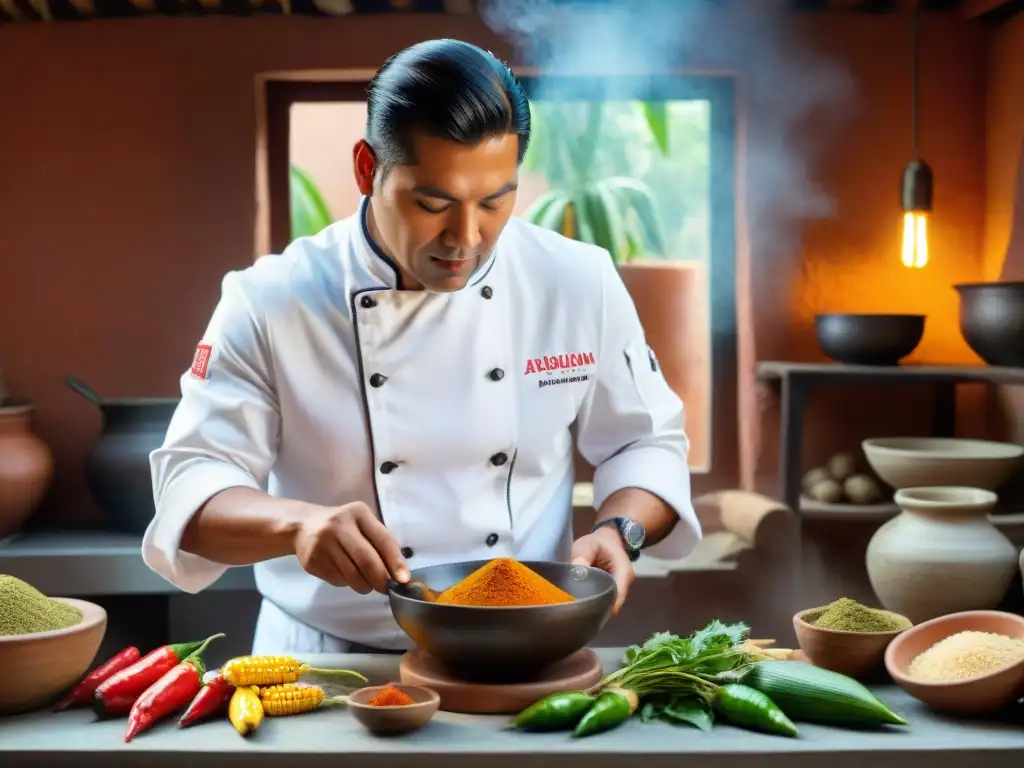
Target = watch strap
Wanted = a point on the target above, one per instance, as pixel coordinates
(620, 523)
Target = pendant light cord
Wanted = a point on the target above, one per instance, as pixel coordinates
(915, 55)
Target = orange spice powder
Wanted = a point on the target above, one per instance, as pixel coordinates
(504, 582)
(391, 697)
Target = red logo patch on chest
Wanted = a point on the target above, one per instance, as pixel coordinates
(555, 363)
(201, 361)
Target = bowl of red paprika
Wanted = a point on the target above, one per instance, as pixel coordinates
(394, 708)
(39, 666)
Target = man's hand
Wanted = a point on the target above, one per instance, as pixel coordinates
(348, 546)
(604, 549)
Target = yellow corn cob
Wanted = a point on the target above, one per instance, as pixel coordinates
(262, 670)
(290, 699)
(272, 670)
(245, 711)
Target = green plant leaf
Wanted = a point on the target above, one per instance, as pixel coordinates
(539, 207)
(692, 710)
(637, 198)
(605, 216)
(584, 228)
(656, 114)
(553, 211)
(309, 212)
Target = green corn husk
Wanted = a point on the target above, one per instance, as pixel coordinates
(816, 695)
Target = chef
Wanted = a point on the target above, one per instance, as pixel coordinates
(397, 391)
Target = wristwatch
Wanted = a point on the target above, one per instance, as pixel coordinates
(633, 534)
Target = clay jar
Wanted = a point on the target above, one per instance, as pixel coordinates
(26, 467)
(941, 554)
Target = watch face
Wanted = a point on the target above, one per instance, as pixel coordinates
(634, 534)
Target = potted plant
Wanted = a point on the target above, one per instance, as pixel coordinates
(620, 213)
(26, 464)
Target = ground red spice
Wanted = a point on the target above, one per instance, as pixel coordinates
(391, 697)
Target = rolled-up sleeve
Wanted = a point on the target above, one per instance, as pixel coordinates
(631, 426)
(224, 434)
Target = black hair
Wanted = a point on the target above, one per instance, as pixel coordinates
(447, 89)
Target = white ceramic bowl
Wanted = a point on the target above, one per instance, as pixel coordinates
(913, 462)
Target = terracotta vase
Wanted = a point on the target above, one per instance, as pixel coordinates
(671, 298)
(26, 467)
(941, 555)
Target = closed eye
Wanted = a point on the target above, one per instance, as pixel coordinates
(430, 209)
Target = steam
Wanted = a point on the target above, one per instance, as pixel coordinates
(786, 87)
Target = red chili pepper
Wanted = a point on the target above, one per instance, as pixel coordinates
(116, 707)
(132, 681)
(171, 693)
(209, 702)
(82, 694)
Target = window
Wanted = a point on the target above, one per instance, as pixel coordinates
(684, 290)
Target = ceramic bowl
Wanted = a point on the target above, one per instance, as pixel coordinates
(868, 339)
(972, 695)
(855, 654)
(37, 668)
(492, 643)
(909, 462)
(394, 720)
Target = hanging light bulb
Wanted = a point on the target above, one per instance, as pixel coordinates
(917, 176)
(917, 204)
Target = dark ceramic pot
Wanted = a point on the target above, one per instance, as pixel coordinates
(118, 465)
(992, 321)
(868, 339)
(501, 643)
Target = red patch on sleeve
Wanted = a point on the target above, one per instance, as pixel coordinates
(201, 361)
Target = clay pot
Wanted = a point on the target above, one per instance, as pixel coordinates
(941, 555)
(26, 467)
(671, 298)
(118, 469)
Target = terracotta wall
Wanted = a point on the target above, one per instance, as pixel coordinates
(126, 150)
(1004, 219)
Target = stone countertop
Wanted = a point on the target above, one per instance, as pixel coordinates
(331, 737)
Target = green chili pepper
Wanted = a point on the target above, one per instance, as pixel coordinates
(749, 708)
(612, 709)
(559, 711)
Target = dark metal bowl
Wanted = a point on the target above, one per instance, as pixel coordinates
(868, 339)
(500, 642)
(992, 321)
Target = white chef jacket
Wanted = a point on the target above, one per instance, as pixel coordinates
(321, 380)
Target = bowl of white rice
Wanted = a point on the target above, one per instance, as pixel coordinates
(967, 662)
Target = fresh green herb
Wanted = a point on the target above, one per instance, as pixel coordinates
(689, 710)
(667, 662)
(675, 677)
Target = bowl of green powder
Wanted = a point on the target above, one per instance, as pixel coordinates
(847, 637)
(46, 644)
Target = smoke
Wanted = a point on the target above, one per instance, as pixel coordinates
(786, 88)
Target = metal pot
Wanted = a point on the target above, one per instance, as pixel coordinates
(992, 321)
(118, 465)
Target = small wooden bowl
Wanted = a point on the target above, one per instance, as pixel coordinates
(855, 654)
(38, 667)
(983, 693)
(404, 718)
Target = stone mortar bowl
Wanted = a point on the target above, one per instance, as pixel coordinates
(503, 642)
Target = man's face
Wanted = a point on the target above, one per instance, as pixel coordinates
(440, 218)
